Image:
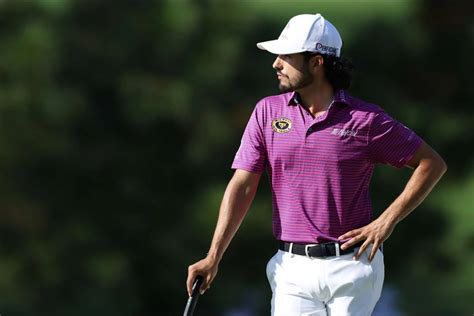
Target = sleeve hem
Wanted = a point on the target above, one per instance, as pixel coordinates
(408, 157)
(248, 168)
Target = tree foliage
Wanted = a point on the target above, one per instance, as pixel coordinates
(119, 121)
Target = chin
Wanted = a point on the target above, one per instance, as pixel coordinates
(283, 88)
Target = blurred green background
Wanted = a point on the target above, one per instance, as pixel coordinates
(119, 121)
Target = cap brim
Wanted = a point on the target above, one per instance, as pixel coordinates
(279, 47)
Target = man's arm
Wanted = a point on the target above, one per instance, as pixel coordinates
(429, 167)
(235, 204)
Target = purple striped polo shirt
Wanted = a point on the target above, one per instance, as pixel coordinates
(320, 168)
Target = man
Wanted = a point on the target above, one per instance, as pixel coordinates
(319, 146)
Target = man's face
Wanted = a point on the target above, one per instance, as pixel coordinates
(292, 71)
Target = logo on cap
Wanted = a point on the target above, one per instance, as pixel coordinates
(327, 49)
(281, 125)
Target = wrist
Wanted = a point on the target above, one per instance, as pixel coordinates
(389, 218)
(214, 256)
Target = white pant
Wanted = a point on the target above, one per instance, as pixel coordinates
(334, 286)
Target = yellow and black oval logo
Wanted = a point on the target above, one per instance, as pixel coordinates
(281, 125)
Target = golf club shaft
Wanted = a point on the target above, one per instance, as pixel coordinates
(192, 300)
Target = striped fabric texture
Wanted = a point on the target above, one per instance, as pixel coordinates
(320, 168)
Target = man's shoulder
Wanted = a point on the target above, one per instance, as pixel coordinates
(276, 100)
(363, 106)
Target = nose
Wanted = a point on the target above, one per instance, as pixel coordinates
(277, 63)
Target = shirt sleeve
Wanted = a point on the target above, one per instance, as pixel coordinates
(252, 155)
(391, 142)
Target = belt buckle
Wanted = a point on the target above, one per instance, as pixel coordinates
(324, 250)
(306, 249)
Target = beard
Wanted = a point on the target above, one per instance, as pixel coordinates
(296, 83)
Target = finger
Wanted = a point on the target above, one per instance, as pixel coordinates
(351, 242)
(206, 284)
(349, 234)
(361, 250)
(203, 288)
(190, 281)
(373, 252)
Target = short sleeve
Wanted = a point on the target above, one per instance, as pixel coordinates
(251, 155)
(391, 142)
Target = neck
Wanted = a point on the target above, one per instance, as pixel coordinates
(317, 97)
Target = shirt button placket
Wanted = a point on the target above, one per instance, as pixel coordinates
(309, 131)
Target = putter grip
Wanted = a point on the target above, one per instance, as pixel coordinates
(192, 300)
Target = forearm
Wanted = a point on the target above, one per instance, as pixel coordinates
(424, 178)
(235, 204)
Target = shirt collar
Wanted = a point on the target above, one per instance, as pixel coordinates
(340, 96)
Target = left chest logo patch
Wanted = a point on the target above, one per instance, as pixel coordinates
(281, 125)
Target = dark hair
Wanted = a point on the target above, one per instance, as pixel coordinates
(338, 70)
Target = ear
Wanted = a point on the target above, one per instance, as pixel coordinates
(316, 62)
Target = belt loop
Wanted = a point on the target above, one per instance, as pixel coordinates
(338, 253)
(290, 250)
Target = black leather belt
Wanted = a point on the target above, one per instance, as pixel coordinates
(324, 250)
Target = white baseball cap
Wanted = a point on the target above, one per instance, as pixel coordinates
(306, 33)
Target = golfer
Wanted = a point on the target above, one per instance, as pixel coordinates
(319, 146)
